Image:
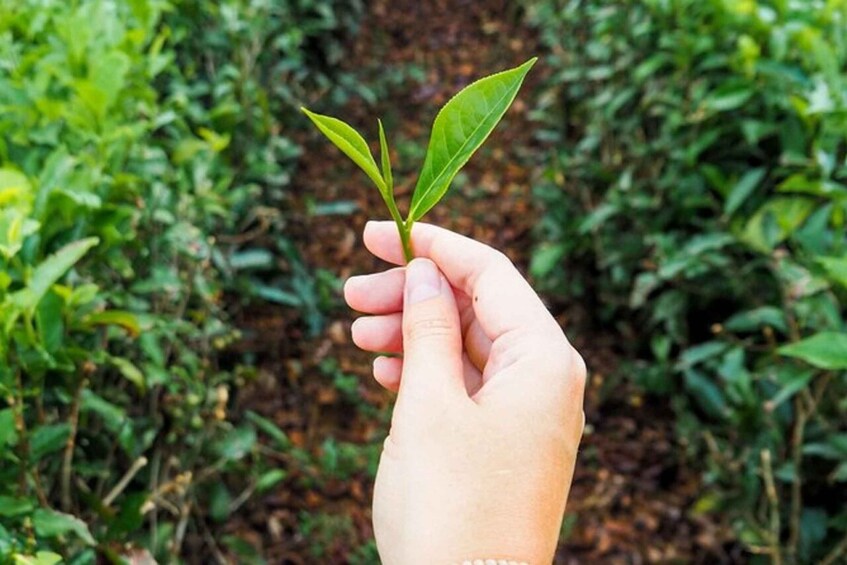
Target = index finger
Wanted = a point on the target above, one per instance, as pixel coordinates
(502, 299)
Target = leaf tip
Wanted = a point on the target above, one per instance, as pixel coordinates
(529, 64)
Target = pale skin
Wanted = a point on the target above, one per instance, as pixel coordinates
(483, 440)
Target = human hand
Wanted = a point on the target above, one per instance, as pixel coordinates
(485, 430)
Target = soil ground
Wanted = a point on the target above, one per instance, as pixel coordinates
(632, 495)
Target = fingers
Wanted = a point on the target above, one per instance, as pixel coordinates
(384, 334)
(387, 372)
(379, 293)
(432, 337)
(477, 345)
(379, 333)
(502, 299)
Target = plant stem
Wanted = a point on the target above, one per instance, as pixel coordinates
(116, 491)
(404, 227)
(406, 241)
(837, 551)
(67, 460)
(800, 419)
(770, 490)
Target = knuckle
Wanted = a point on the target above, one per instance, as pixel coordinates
(427, 328)
(572, 371)
(578, 370)
(500, 259)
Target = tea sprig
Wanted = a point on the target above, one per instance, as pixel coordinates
(460, 128)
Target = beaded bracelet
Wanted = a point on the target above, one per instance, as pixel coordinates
(492, 562)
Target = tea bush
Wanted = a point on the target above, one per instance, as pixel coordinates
(695, 200)
(136, 138)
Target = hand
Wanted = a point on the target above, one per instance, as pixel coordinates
(484, 435)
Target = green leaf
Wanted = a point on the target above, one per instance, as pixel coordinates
(351, 144)
(798, 381)
(48, 318)
(219, 501)
(272, 430)
(834, 446)
(252, 259)
(128, 369)
(755, 319)
(775, 221)
(836, 269)
(10, 507)
(49, 439)
(385, 156)
(743, 189)
(107, 73)
(270, 479)
(14, 187)
(40, 558)
(700, 353)
(51, 270)
(14, 229)
(825, 350)
(8, 433)
(237, 443)
(462, 125)
(706, 394)
(728, 97)
(50, 524)
(801, 183)
(126, 320)
(114, 417)
(545, 258)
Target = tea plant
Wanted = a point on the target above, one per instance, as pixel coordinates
(696, 199)
(460, 128)
(135, 139)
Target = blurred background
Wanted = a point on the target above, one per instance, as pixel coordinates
(177, 381)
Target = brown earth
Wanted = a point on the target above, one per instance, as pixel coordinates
(632, 495)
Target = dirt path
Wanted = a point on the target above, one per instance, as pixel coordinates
(631, 494)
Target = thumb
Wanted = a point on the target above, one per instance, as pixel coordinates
(432, 334)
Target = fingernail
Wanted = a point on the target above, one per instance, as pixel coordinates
(423, 281)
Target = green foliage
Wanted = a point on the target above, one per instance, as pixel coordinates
(698, 196)
(135, 138)
(460, 128)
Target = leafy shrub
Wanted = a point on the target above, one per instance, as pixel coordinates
(696, 200)
(134, 136)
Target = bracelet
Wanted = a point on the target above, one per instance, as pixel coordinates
(492, 562)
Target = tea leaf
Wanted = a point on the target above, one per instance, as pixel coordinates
(461, 126)
(40, 558)
(743, 189)
(51, 270)
(836, 269)
(8, 433)
(130, 371)
(10, 506)
(126, 320)
(351, 144)
(50, 524)
(825, 350)
(237, 443)
(49, 439)
(385, 157)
